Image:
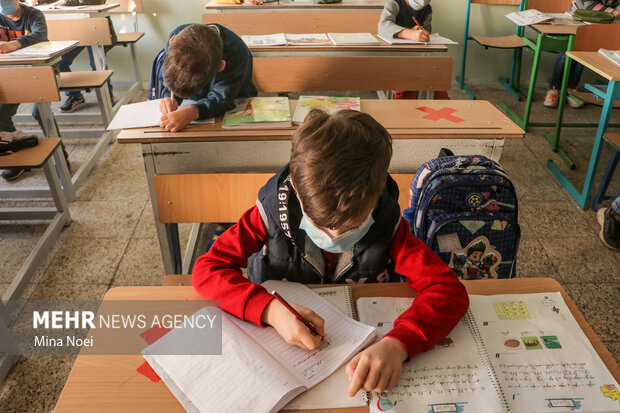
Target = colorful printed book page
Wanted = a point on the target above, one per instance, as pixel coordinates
(510, 353)
(528, 17)
(259, 112)
(329, 104)
(308, 39)
(353, 39)
(42, 49)
(277, 39)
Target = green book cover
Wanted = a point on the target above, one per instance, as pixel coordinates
(259, 112)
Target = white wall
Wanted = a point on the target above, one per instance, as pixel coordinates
(160, 17)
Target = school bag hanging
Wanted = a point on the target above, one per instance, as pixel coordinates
(156, 82)
(465, 209)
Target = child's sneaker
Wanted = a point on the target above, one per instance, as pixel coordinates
(72, 104)
(610, 228)
(574, 101)
(551, 98)
(13, 174)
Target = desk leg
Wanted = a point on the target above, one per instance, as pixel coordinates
(99, 57)
(555, 140)
(136, 68)
(51, 131)
(165, 232)
(583, 197)
(8, 348)
(530, 92)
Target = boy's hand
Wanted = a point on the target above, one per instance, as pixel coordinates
(616, 14)
(167, 105)
(415, 34)
(8, 47)
(290, 328)
(254, 2)
(178, 119)
(377, 368)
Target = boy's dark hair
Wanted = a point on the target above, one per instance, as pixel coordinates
(476, 246)
(192, 60)
(339, 165)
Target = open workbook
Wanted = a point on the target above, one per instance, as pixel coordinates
(145, 114)
(42, 49)
(511, 353)
(257, 370)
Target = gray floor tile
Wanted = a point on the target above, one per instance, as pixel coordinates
(34, 383)
(86, 261)
(614, 348)
(598, 302)
(141, 264)
(582, 259)
(533, 261)
(146, 224)
(103, 219)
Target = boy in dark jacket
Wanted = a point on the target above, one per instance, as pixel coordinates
(332, 216)
(208, 64)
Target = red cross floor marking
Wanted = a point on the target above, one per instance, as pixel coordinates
(444, 113)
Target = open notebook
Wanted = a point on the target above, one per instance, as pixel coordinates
(144, 115)
(257, 371)
(510, 353)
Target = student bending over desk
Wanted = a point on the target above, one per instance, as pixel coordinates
(208, 64)
(20, 26)
(332, 216)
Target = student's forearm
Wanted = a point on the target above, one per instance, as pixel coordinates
(441, 301)
(38, 31)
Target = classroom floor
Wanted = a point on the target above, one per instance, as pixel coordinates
(112, 241)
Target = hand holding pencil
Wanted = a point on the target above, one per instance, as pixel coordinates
(417, 33)
(297, 325)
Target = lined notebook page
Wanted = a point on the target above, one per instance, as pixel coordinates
(332, 392)
(345, 336)
(244, 378)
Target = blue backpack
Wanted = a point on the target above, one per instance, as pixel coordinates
(465, 209)
(156, 83)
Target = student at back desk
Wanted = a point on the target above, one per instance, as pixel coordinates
(332, 216)
(208, 64)
(399, 20)
(20, 26)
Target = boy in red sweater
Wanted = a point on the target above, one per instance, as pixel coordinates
(332, 216)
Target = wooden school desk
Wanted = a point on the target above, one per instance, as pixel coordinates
(610, 71)
(419, 128)
(296, 6)
(381, 50)
(549, 37)
(45, 111)
(111, 383)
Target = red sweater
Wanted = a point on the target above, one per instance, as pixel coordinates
(440, 304)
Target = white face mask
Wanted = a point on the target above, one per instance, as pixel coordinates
(343, 242)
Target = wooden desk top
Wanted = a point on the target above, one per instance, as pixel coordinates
(404, 119)
(33, 157)
(345, 4)
(597, 63)
(555, 29)
(98, 8)
(111, 383)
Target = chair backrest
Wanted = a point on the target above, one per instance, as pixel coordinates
(127, 6)
(549, 6)
(297, 22)
(28, 85)
(89, 32)
(189, 198)
(591, 37)
(298, 74)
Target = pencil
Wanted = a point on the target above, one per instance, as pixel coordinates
(307, 323)
(417, 23)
